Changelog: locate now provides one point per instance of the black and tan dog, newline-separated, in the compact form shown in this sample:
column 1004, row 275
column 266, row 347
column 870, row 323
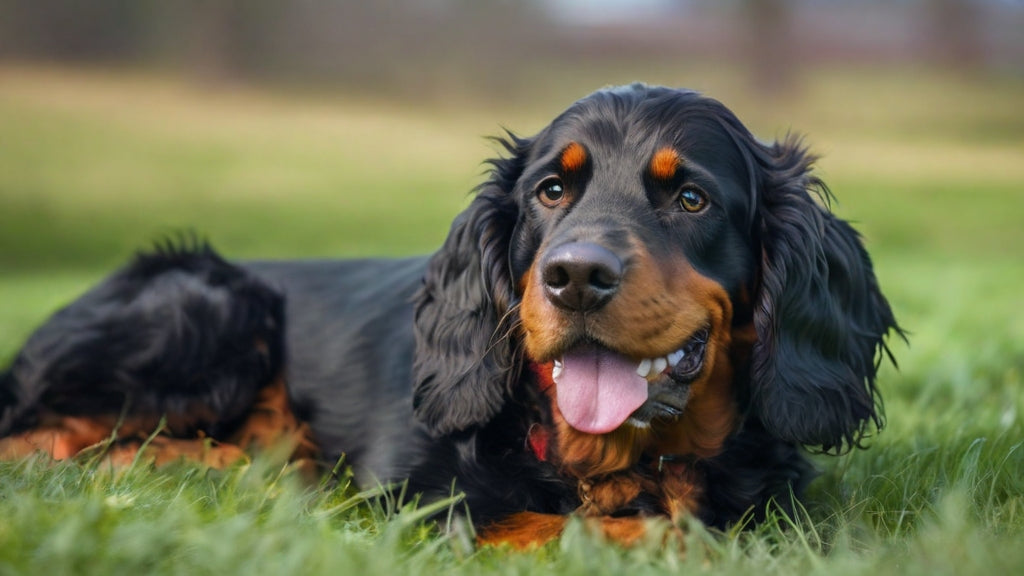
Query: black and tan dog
column 644, row 311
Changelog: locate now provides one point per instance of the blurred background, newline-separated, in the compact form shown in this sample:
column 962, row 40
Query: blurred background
column 318, row 128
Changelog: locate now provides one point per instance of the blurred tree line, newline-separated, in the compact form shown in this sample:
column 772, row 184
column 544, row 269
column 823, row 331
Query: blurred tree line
column 374, row 42
column 482, row 43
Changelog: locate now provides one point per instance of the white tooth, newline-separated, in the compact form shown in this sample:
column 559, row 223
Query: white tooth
column 659, row 366
column 644, row 367
column 675, row 357
column 556, row 371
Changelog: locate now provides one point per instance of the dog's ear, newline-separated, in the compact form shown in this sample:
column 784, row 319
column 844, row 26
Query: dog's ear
column 463, row 365
column 821, row 319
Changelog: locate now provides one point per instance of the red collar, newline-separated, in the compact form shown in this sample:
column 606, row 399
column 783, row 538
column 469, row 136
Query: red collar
column 537, row 438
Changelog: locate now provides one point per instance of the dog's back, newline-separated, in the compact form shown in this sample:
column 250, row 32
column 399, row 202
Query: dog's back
column 349, row 349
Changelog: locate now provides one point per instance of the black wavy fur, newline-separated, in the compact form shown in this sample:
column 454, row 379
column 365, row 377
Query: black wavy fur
column 414, row 369
column 174, row 331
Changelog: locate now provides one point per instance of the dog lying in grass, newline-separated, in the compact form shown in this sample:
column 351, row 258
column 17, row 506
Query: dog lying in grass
column 644, row 311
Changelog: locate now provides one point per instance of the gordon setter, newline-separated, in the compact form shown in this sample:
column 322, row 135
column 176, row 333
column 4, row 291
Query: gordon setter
column 644, row 311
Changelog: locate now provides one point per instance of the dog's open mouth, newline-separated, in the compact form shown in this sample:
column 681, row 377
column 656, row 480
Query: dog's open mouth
column 598, row 389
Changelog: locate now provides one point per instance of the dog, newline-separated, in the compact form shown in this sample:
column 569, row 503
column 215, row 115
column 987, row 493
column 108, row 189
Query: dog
column 643, row 312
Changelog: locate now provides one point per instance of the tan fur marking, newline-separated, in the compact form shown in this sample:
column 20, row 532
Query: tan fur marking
column 610, row 494
column 269, row 426
column 163, row 450
column 540, row 319
column 523, row 530
column 680, row 491
column 664, row 164
column 59, row 436
column 272, row 425
column 626, row 531
column 574, row 157
column 527, row 530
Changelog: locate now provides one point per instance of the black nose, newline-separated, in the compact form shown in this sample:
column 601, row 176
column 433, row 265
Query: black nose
column 581, row 276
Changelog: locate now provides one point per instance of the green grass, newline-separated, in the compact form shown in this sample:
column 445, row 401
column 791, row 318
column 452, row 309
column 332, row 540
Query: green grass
column 94, row 165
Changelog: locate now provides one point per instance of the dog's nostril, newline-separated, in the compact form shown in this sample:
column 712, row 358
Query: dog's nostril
column 556, row 277
column 581, row 275
column 605, row 278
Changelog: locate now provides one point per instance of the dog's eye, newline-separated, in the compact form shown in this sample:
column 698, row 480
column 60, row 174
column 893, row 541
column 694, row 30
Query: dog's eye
column 551, row 192
column 692, row 199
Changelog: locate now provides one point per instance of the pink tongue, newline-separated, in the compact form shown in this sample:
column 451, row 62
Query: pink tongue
column 598, row 390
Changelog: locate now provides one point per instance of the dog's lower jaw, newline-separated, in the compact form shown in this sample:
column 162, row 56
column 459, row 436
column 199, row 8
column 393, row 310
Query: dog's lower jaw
column 711, row 414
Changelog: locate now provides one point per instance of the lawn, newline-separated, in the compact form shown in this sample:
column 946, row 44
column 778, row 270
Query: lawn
column 95, row 164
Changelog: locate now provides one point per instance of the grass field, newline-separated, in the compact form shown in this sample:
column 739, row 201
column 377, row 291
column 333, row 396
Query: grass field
column 96, row 164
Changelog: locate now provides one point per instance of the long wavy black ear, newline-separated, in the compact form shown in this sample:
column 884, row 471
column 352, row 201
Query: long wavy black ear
column 821, row 319
column 463, row 363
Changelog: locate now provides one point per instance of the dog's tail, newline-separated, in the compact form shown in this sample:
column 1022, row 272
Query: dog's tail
column 177, row 331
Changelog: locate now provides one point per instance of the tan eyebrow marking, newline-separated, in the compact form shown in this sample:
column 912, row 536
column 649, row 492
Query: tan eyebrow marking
column 664, row 164
column 573, row 157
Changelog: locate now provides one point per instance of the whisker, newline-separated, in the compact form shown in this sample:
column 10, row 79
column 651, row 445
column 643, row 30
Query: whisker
column 506, row 326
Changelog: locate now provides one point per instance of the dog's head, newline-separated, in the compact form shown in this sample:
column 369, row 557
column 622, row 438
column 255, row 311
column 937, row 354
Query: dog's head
column 661, row 263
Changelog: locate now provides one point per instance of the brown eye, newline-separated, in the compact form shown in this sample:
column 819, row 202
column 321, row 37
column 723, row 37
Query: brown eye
column 551, row 192
column 692, row 199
